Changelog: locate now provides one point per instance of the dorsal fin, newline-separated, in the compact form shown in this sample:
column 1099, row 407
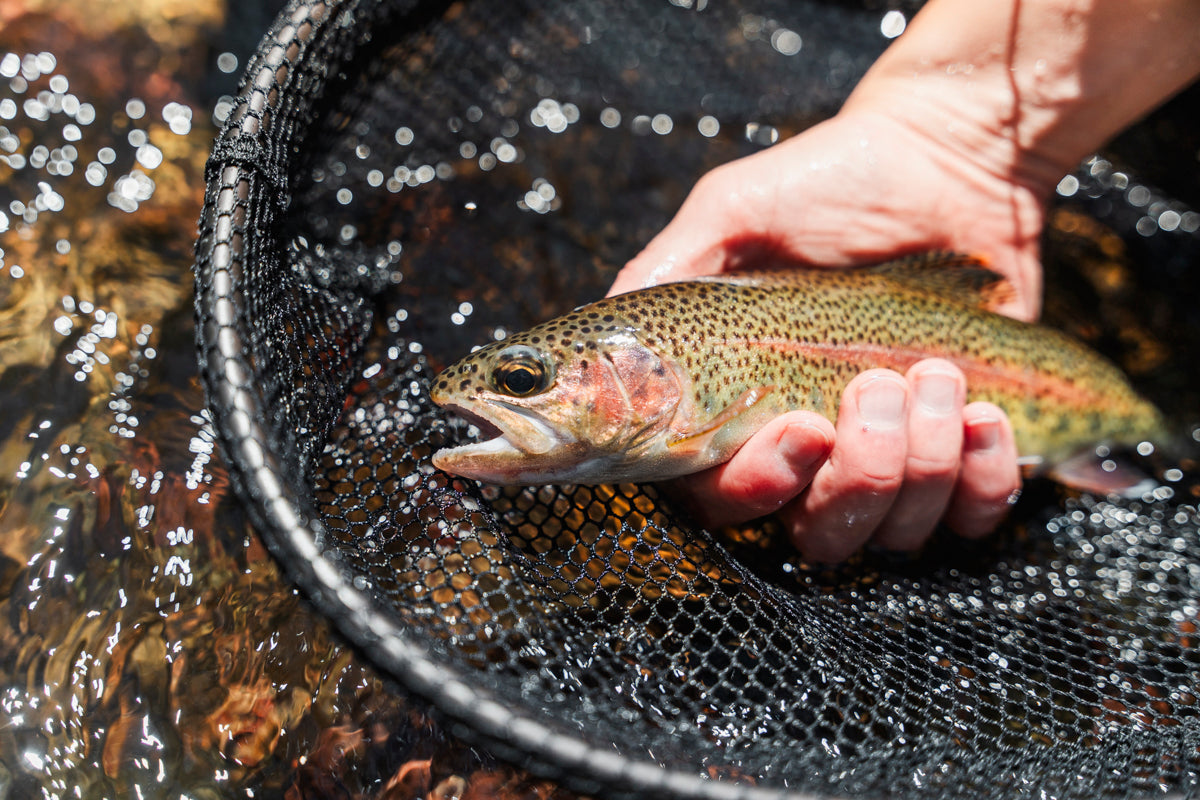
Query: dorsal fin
column 965, row 278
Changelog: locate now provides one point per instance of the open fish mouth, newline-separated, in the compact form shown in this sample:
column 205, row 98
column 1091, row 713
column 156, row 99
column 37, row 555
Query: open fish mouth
column 487, row 430
column 509, row 435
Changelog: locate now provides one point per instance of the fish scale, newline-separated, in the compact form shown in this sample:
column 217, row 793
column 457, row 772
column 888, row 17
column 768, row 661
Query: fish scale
column 747, row 347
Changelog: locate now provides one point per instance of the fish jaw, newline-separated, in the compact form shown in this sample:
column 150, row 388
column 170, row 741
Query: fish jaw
column 520, row 441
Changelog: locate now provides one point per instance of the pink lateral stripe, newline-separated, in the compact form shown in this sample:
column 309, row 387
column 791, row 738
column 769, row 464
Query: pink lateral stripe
column 1004, row 378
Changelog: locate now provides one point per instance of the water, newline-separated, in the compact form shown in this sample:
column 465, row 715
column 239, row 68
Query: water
column 148, row 645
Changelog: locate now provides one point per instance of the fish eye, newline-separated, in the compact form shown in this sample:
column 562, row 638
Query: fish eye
column 521, row 372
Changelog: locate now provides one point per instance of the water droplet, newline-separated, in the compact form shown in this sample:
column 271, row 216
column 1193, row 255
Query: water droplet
column 135, row 109
column 1068, row 186
column 1138, row 195
column 893, row 24
column 227, row 62
column 178, row 118
column 760, row 134
column 504, row 151
column 222, row 109
column 786, row 41
column 709, row 126
column 1169, row 220
column 149, row 156
column 36, row 109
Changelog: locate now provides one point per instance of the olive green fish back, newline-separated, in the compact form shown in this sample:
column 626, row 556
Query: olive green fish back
column 807, row 333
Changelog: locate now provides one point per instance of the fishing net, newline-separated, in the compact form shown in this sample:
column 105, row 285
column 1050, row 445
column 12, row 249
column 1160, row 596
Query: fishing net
column 399, row 181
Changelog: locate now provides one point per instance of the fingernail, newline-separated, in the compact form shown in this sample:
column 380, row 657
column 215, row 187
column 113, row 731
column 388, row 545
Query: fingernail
column 983, row 434
column 937, row 393
column 881, row 402
column 796, row 445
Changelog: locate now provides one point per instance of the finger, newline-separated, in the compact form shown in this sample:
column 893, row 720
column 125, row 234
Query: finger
column 989, row 477
column 769, row 470
column 853, row 491
column 935, row 442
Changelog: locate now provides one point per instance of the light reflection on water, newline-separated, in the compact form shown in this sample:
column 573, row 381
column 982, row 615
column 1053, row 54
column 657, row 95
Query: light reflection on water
column 147, row 642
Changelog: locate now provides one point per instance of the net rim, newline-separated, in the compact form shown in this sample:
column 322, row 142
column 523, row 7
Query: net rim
column 288, row 522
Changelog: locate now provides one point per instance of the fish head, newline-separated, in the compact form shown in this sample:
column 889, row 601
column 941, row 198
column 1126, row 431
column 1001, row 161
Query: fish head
column 557, row 405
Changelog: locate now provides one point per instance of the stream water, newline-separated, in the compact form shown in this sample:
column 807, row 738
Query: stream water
column 148, row 644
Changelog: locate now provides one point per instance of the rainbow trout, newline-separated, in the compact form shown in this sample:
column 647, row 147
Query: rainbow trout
column 672, row 379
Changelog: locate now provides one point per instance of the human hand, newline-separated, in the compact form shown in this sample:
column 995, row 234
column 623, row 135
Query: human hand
column 861, row 188
column 952, row 141
column 906, row 451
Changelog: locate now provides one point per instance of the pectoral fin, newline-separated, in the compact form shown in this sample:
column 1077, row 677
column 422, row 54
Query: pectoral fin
column 703, row 438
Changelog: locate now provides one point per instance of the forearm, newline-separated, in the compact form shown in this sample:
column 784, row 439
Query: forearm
column 1029, row 87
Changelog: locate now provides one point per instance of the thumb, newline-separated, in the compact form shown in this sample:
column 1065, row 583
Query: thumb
column 695, row 242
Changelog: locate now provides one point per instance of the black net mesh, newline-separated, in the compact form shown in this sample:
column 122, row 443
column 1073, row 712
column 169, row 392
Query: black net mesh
column 400, row 181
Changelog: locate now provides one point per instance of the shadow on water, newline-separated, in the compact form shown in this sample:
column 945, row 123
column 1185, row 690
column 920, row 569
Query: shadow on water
column 147, row 641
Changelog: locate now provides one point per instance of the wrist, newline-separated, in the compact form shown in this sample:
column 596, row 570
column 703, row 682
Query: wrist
column 960, row 126
column 1025, row 89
